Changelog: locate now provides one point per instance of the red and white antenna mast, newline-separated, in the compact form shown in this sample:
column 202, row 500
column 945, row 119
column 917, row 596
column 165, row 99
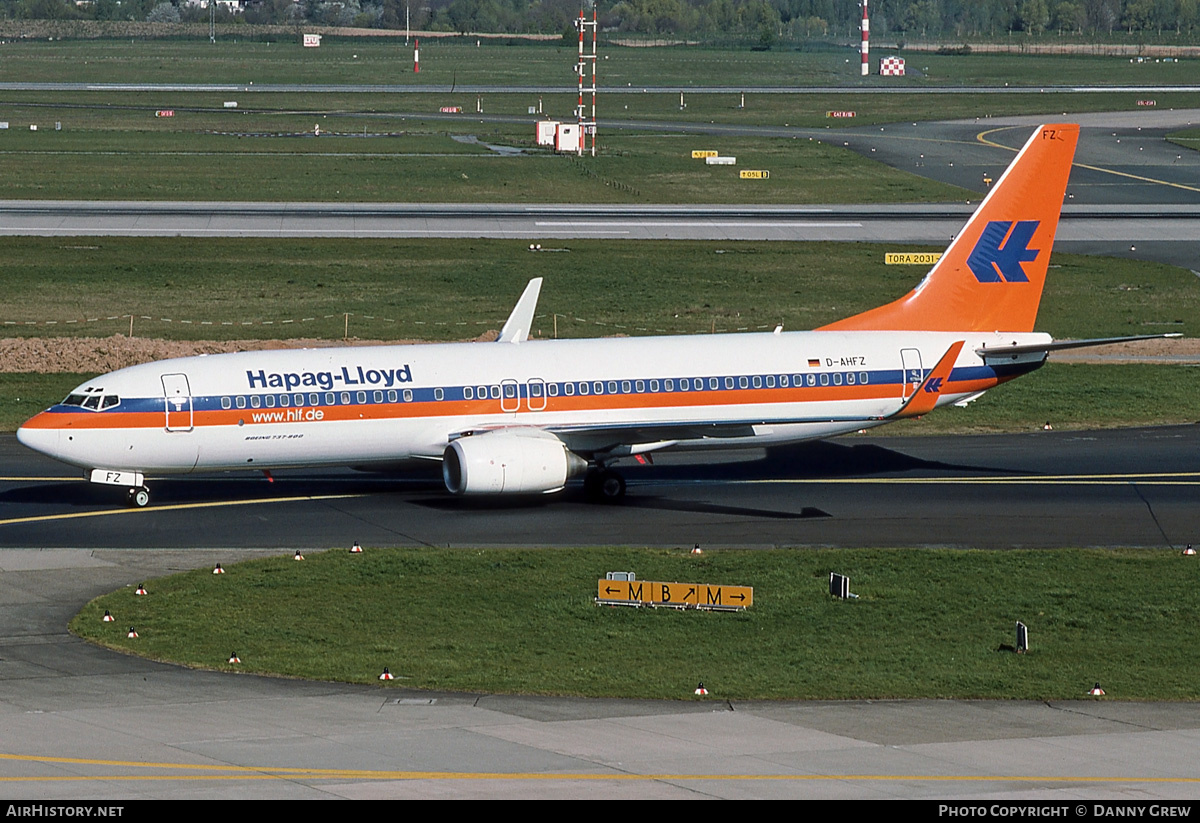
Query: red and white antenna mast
column 866, row 37
column 416, row 56
column 587, row 126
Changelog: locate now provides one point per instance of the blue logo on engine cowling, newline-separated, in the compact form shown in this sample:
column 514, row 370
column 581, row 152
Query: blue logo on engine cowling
column 992, row 263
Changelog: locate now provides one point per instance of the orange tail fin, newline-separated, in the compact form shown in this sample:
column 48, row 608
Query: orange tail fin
column 991, row 276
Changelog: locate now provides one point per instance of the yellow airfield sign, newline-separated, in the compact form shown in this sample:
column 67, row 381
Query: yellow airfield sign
column 755, row 174
column 700, row 154
column 908, row 258
column 674, row 595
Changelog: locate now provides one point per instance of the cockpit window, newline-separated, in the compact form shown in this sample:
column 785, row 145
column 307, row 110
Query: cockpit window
column 96, row 402
column 92, row 402
column 109, row 401
column 74, row 400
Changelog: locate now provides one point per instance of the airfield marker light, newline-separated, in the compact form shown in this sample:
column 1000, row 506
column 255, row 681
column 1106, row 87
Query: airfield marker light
column 416, row 56
column 700, row 689
column 1189, row 551
column 233, row 658
column 1096, row 691
column 356, row 549
column 108, row 618
column 141, row 589
column 298, row 556
column 218, row 570
column 696, row 549
column 132, row 632
column 386, row 674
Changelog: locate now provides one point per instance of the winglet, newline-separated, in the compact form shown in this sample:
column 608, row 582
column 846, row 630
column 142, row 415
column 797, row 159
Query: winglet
column 991, row 276
column 926, row 396
column 516, row 327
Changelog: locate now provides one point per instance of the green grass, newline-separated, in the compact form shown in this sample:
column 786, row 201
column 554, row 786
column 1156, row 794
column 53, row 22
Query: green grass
column 928, row 624
column 454, row 289
column 423, row 163
column 445, row 62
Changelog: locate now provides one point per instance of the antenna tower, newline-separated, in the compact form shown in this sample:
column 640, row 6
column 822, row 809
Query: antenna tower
column 587, row 126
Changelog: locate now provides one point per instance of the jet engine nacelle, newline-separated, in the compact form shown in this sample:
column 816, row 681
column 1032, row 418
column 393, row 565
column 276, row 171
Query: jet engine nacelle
column 508, row 462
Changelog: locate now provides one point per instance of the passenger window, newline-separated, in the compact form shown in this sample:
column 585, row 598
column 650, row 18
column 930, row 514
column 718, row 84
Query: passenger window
column 255, row 401
column 568, row 389
column 783, row 381
column 742, row 383
column 837, row 378
column 241, row 402
column 862, row 377
column 598, row 387
column 770, row 381
column 535, row 389
column 712, row 383
column 361, row 396
column 377, row 397
column 552, row 389
column 849, row 378
column 331, row 399
column 583, row 388
column 495, row 392
column 669, row 384
column 626, row 387
column 510, row 391
column 408, row 395
column 756, row 381
column 729, row 382
column 640, row 386
column 824, row 379
column 439, row 393
column 653, row 385
column 812, row 380
column 314, row 399
column 468, row 393
column 226, row 403
column 270, row 401
column 612, row 386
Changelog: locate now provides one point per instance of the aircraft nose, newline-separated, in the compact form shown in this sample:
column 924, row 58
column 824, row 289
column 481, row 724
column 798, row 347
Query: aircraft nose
column 44, row 440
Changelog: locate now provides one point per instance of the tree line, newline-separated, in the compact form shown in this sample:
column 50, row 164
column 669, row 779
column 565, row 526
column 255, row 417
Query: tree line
column 764, row 22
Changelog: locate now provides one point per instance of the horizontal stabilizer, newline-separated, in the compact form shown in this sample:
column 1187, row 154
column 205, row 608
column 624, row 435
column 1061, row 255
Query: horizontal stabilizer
column 1059, row 345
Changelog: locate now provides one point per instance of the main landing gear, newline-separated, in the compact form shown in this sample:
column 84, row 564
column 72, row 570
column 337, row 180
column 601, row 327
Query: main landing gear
column 138, row 498
column 604, row 486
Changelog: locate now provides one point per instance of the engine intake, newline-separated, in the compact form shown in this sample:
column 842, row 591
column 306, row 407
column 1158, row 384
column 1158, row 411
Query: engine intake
column 508, row 462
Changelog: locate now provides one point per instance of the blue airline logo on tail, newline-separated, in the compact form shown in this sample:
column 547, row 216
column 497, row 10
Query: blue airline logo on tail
column 992, row 263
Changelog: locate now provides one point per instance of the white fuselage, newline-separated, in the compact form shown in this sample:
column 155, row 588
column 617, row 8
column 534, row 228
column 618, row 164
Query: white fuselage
column 603, row 398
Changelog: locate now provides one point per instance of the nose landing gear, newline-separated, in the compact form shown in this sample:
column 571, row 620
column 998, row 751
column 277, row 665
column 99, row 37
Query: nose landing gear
column 138, row 498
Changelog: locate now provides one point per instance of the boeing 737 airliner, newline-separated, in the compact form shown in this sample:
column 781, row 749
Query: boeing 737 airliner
column 523, row 416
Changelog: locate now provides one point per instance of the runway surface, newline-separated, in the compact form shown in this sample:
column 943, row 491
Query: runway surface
column 1044, row 489
column 76, row 721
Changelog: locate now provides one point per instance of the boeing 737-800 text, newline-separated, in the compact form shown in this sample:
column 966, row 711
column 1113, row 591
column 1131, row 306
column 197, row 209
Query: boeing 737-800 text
column 523, row 416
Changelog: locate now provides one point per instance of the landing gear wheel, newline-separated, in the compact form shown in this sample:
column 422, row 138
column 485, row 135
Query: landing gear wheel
column 139, row 498
column 605, row 486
